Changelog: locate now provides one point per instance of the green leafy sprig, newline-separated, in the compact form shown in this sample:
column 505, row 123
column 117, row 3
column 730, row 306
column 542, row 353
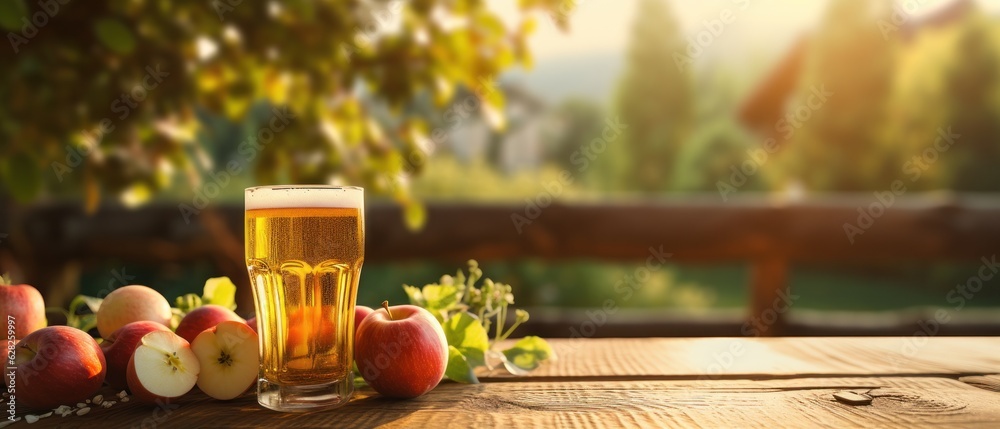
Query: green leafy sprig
column 82, row 312
column 468, row 313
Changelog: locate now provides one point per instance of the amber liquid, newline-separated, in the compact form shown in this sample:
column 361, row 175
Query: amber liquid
column 304, row 264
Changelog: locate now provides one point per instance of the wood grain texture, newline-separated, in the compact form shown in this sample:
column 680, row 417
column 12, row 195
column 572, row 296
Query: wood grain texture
column 689, row 358
column 773, row 382
column 806, row 402
column 988, row 382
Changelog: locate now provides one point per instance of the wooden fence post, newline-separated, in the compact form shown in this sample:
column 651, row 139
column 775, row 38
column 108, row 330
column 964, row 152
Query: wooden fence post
column 770, row 300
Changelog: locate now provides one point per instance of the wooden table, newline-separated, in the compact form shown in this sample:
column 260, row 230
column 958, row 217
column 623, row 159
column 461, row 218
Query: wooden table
column 707, row 382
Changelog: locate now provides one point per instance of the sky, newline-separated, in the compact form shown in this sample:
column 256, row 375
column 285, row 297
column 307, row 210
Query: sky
column 604, row 25
column 593, row 49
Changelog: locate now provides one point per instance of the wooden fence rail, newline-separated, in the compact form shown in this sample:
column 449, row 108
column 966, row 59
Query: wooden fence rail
column 769, row 234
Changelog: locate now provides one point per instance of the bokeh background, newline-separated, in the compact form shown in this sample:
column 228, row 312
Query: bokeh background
column 131, row 128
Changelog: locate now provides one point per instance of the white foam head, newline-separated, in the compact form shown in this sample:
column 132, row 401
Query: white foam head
column 280, row 197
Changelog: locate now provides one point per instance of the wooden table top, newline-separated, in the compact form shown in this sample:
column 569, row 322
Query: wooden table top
column 706, row 382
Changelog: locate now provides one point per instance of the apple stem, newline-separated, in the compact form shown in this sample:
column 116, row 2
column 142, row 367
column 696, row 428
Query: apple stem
column 385, row 305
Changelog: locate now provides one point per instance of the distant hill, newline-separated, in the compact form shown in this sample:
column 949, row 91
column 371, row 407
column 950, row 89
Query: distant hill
column 590, row 76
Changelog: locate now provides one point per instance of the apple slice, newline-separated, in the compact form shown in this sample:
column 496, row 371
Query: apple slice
column 163, row 367
column 119, row 348
column 229, row 359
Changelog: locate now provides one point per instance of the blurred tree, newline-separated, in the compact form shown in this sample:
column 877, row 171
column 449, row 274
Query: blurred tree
column 947, row 80
column 915, row 107
column 655, row 100
column 834, row 121
column 450, row 179
column 972, row 82
column 716, row 152
column 579, row 121
column 105, row 98
column 718, row 147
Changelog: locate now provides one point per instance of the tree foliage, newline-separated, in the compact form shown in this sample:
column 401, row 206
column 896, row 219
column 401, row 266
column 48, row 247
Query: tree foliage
column 106, row 97
column 974, row 107
column 580, row 122
column 833, row 146
column 655, row 99
column 946, row 82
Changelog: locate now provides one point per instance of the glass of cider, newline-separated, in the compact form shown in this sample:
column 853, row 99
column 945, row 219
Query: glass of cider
column 304, row 249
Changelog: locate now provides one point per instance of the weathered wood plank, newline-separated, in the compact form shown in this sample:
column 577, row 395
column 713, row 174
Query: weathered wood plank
column 897, row 402
column 768, row 280
column 988, row 382
column 687, row 358
column 699, row 229
column 696, row 229
column 661, row 382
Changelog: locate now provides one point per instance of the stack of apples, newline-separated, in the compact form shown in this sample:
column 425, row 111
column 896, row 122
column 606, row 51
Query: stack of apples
column 212, row 348
column 400, row 351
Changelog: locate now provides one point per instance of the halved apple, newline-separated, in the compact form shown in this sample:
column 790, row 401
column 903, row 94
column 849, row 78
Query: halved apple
column 229, row 359
column 163, row 367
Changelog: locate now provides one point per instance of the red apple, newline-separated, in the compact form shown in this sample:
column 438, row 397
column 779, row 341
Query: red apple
column 24, row 306
column 57, row 365
column 252, row 323
column 360, row 313
column 129, row 304
column 120, row 345
column 401, row 351
column 163, row 367
column 203, row 318
column 229, row 360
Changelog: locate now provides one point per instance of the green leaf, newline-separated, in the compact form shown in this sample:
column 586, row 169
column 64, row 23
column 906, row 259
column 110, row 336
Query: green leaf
column 528, row 353
column 22, row 177
column 83, row 312
column 187, row 302
column 115, row 35
column 459, row 368
column 440, row 297
column 359, row 382
column 220, row 291
column 464, row 331
column 92, row 303
column 415, row 295
column 415, row 215
column 176, row 315
column 11, row 12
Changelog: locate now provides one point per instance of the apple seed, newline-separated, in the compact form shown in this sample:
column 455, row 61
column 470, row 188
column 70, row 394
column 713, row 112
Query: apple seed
column 225, row 358
column 173, row 361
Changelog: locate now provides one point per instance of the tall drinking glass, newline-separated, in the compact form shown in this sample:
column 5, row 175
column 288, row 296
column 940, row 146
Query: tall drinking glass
column 304, row 249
